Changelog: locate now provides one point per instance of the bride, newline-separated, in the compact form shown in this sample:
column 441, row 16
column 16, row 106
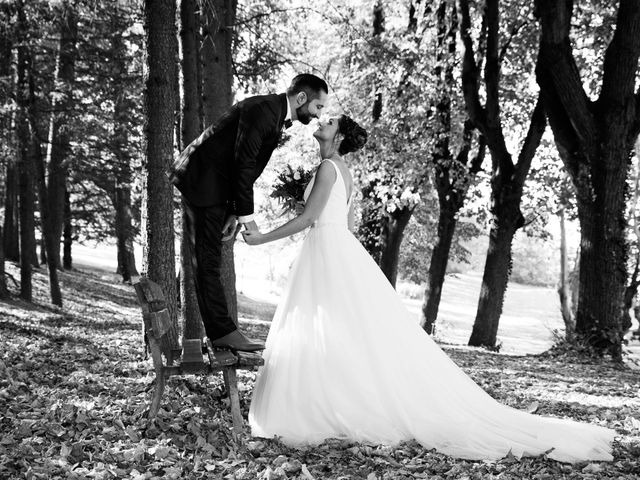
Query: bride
column 345, row 359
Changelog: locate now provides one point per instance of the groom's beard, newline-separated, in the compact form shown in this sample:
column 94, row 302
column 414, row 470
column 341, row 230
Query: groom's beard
column 303, row 114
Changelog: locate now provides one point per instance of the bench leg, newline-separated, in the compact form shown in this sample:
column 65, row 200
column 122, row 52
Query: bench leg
column 231, row 383
column 156, row 355
column 157, row 395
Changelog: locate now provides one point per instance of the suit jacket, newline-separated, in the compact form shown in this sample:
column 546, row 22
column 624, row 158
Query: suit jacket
column 221, row 165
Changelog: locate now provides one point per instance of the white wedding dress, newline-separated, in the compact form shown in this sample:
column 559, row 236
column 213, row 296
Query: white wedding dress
column 345, row 359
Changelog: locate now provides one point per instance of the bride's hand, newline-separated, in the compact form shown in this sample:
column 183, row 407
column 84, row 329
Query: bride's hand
column 253, row 237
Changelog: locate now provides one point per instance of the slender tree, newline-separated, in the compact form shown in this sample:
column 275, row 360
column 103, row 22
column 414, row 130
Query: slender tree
column 191, row 128
column 378, row 30
column 11, row 224
column 51, row 208
column 631, row 290
column 159, row 115
column 4, row 293
column 49, row 241
column 217, row 90
column 120, row 192
column 563, row 287
column 392, row 224
column 595, row 140
column 507, row 177
column 58, row 152
column 453, row 173
column 67, row 234
column 10, row 237
column 25, row 161
column 384, row 215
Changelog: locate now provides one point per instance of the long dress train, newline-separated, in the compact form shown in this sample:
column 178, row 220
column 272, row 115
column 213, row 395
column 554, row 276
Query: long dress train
column 345, row 359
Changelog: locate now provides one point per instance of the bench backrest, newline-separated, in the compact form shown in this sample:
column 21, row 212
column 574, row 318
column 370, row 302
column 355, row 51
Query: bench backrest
column 155, row 314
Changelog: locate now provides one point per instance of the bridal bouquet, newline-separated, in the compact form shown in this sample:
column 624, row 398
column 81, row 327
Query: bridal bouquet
column 289, row 187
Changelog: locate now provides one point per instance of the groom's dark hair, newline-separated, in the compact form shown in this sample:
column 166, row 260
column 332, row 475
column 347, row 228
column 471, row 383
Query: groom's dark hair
column 309, row 84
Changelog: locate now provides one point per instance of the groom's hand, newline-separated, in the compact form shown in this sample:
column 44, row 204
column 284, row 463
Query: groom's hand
column 230, row 228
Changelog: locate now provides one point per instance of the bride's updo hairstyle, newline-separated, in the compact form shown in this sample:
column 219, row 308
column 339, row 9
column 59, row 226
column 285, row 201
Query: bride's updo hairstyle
column 354, row 136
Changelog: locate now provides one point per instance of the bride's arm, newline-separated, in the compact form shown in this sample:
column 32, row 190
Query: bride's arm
column 351, row 217
column 325, row 178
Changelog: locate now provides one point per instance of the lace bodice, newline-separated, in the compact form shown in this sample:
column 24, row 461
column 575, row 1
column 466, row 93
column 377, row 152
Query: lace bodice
column 336, row 210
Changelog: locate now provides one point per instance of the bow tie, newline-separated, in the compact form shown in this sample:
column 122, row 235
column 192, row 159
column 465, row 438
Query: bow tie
column 287, row 123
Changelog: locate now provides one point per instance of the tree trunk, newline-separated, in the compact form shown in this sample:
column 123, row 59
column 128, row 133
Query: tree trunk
column 453, row 174
column 191, row 127
column 59, row 133
column 121, row 195
column 632, row 286
column 378, row 29
column 27, row 223
column 595, row 140
column 217, row 73
column 26, row 173
column 11, row 228
column 507, row 177
column 49, row 241
column 370, row 227
column 159, row 110
column 10, row 238
column 42, row 243
column 4, row 293
column 563, row 289
column 217, row 69
column 393, row 227
column 602, row 270
column 574, row 284
column 67, row 261
column 629, row 296
column 124, row 233
column 494, row 286
column 438, row 267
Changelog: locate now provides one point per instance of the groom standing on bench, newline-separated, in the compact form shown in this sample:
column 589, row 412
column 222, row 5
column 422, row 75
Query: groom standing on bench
column 215, row 175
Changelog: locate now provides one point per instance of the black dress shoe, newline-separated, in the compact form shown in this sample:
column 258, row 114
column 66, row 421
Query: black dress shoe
column 237, row 341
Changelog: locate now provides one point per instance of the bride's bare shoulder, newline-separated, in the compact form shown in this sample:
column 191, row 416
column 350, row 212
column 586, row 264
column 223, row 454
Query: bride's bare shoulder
column 325, row 172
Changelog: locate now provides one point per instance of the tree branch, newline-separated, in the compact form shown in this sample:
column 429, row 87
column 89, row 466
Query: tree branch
column 621, row 57
column 470, row 71
column 532, row 140
column 482, row 43
column 516, row 27
column 492, row 65
column 467, row 138
column 476, row 163
column 273, row 11
column 560, row 69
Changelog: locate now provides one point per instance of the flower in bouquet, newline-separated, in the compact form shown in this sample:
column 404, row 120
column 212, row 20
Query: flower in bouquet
column 289, row 187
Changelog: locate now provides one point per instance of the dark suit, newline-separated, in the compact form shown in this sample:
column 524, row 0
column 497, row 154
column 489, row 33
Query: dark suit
column 215, row 175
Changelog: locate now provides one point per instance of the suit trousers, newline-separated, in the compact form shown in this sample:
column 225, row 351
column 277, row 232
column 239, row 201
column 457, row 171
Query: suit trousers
column 204, row 230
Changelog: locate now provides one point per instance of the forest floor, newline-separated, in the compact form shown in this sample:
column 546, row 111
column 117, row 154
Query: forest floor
column 75, row 387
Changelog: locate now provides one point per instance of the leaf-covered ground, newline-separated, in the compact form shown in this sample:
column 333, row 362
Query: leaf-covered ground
column 75, row 386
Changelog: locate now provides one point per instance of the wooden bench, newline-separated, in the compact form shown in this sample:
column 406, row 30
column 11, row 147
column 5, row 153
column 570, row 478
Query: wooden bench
column 191, row 360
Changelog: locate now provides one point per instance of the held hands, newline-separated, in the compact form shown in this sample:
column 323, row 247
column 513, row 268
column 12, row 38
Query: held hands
column 253, row 237
column 230, row 228
column 299, row 208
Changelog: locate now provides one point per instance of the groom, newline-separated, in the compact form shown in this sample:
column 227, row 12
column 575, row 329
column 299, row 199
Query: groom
column 215, row 175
